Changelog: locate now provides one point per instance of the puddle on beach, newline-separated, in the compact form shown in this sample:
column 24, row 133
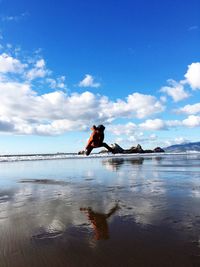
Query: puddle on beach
column 132, row 211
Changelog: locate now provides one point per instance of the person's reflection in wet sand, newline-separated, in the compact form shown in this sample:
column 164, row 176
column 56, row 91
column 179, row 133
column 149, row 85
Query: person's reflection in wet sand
column 99, row 221
column 116, row 163
column 113, row 164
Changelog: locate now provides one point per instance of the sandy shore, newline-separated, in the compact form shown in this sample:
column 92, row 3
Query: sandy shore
column 140, row 211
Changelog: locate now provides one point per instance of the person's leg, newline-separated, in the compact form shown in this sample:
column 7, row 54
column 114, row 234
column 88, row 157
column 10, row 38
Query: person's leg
column 88, row 150
column 108, row 147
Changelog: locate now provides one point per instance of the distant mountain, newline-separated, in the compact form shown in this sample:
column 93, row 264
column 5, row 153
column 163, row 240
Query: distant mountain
column 183, row 147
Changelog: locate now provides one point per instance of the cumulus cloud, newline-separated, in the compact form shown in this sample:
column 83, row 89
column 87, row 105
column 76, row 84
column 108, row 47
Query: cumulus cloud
column 57, row 112
column 156, row 124
column 192, row 121
column 38, row 71
column 40, row 63
column 189, row 109
column 88, row 81
column 57, row 83
column 173, row 123
column 136, row 105
column 119, row 129
column 175, row 90
column 144, row 105
column 6, row 126
column 193, row 75
column 132, row 130
column 8, row 64
column 137, row 137
column 26, row 111
column 58, row 127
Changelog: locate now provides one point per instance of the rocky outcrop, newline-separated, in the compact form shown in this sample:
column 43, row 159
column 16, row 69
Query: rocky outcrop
column 82, row 152
column 138, row 149
column 158, row 150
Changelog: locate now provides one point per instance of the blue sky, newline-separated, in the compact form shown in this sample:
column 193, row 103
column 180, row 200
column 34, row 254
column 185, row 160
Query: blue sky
column 133, row 66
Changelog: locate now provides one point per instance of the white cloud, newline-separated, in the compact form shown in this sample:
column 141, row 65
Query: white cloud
column 178, row 140
column 173, row 123
column 58, row 127
column 57, row 83
column 6, row 126
column 189, row 109
column 192, row 121
column 136, row 105
column 130, row 133
column 137, row 137
column 10, row 64
column 57, row 112
column 119, row 140
column 175, row 90
column 14, row 18
column 144, row 105
column 127, row 140
column 132, row 130
column 9, row 18
column 156, row 124
column 9, row 46
column 38, row 71
column 126, row 129
column 153, row 137
column 52, row 83
column 88, row 81
column 24, row 111
column 163, row 99
column 193, row 75
column 40, row 63
column 51, row 113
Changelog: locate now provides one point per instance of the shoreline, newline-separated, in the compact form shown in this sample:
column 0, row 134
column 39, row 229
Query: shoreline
column 62, row 156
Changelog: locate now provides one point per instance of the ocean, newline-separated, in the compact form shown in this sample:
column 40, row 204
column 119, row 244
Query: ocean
column 121, row 210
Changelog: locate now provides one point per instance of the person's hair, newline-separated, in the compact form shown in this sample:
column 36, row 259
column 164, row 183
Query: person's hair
column 101, row 127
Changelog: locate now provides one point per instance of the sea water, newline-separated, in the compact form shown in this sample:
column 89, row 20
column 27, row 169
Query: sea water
column 134, row 210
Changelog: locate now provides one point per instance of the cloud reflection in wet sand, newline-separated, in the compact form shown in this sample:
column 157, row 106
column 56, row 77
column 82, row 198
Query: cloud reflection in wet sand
column 158, row 222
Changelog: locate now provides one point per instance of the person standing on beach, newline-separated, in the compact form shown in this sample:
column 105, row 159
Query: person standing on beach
column 96, row 140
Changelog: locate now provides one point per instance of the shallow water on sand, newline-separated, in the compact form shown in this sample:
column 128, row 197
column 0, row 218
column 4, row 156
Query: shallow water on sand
column 133, row 211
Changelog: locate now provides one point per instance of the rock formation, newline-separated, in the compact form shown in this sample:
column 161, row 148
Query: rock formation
column 138, row 149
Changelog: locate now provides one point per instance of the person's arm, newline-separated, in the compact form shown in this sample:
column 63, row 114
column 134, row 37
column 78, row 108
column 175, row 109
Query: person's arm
column 91, row 139
column 112, row 211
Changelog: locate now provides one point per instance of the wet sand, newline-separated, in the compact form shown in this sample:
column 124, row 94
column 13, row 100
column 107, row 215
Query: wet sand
column 133, row 211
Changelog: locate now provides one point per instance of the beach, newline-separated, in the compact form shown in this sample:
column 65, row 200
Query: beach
column 134, row 210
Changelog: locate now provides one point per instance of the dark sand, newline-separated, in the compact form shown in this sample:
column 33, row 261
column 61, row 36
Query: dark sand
column 121, row 212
